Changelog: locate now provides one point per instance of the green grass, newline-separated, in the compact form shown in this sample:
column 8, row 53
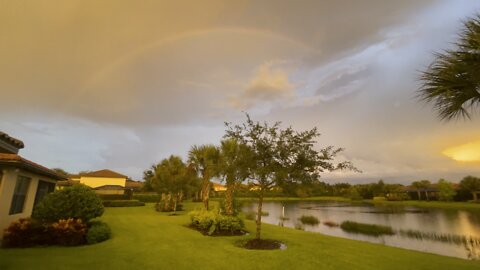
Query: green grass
column 145, row 239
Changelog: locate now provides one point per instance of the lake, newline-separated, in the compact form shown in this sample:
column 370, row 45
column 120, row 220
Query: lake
column 446, row 232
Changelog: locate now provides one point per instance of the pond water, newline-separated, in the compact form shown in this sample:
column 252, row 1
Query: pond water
column 446, row 232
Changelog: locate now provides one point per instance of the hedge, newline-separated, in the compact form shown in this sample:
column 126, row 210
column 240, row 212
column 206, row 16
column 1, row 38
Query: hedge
column 123, row 203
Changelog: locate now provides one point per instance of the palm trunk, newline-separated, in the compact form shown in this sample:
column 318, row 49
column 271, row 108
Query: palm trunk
column 426, row 195
column 419, row 197
column 474, row 193
column 259, row 214
column 167, row 201
column 206, row 193
column 229, row 200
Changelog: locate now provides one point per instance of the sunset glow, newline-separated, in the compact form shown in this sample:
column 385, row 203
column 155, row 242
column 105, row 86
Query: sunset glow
column 468, row 152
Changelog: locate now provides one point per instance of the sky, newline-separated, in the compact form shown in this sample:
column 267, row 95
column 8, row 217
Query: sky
column 89, row 85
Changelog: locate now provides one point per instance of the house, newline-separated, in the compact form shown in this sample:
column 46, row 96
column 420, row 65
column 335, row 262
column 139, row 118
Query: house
column 23, row 183
column 102, row 181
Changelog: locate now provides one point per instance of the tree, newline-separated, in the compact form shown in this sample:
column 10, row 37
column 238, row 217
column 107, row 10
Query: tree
column 171, row 178
column 204, row 159
column 148, row 176
column 422, row 185
column 61, row 171
column 472, row 184
column 279, row 156
column 452, row 81
column 232, row 169
column 446, row 191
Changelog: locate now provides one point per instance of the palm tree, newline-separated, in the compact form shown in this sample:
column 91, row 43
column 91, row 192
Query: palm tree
column 452, row 82
column 231, row 169
column 422, row 185
column 204, row 159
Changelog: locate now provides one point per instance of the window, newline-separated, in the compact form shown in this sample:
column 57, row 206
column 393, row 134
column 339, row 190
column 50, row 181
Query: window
column 19, row 195
column 42, row 190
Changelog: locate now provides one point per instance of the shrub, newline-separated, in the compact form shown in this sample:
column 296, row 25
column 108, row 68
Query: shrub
column 111, row 197
column 368, row 229
column 98, row 232
column 69, row 232
column 25, row 233
column 147, row 197
column 78, row 202
column 330, row 224
column 123, row 203
column 309, row 220
column 213, row 223
column 29, row 233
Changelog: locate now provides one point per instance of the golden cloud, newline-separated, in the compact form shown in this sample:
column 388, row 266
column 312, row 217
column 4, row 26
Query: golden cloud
column 468, row 152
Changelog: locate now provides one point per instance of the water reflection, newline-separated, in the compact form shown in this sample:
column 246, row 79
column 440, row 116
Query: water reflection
column 445, row 232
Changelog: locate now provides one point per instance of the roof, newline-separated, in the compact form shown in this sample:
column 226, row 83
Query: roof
column 18, row 161
column 109, row 187
column 104, row 173
column 15, row 142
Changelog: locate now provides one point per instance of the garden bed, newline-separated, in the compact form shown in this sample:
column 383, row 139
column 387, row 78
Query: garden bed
column 261, row 244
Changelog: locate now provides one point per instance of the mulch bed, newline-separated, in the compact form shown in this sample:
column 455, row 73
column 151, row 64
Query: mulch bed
column 263, row 244
column 218, row 233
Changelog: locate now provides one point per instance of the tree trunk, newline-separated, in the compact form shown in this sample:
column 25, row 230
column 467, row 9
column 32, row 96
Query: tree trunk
column 175, row 198
column 259, row 214
column 229, row 200
column 419, row 197
column 426, row 195
column 167, row 201
column 474, row 193
column 180, row 196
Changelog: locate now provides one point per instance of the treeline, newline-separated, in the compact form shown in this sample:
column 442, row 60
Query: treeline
column 467, row 189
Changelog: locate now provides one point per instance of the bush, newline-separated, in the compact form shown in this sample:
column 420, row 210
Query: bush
column 98, row 232
column 29, row 233
column 123, row 203
column 69, row 232
column 368, row 229
column 26, row 233
column 147, row 197
column 309, row 220
column 78, row 202
column 213, row 223
column 112, row 197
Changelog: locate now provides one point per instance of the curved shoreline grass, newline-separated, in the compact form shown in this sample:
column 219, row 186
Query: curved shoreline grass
column 145, row 239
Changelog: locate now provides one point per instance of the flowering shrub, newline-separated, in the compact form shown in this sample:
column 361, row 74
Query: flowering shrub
column 69, row 232
column 25, row 233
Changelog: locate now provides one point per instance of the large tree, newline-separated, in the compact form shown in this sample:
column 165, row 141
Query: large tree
column 204, row 159
column 172, row 179
column 472, row 185
column 452, row 81
column 281, row 155
column 446, row 190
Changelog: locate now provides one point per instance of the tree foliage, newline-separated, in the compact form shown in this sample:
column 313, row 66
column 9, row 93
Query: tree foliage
column 452, row 81
column 472, row 184
column 280, row 156
column 446, row 191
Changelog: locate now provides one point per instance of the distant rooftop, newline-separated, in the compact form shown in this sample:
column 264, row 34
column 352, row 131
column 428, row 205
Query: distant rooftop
column 104, row 173
column 18, row 161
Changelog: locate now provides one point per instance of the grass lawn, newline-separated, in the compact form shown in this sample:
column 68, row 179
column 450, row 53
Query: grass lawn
column 145, row 239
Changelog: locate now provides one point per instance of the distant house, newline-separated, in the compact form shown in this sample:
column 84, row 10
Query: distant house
column 102, row 182
column 23, row 183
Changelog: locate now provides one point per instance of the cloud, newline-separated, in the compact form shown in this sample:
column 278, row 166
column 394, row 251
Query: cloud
column 468, row 152
column 268, row 84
